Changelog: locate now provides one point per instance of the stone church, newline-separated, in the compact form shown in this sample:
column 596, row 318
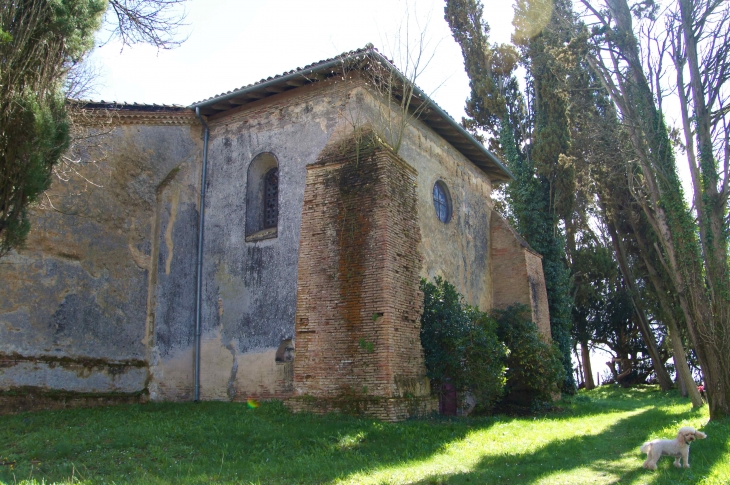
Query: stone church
column 266, row 243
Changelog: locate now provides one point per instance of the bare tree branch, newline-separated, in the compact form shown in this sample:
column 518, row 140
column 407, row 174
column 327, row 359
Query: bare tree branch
column 155, row 22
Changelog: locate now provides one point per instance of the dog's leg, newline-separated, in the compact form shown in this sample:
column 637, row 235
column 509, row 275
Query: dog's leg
column 685, row 455
column 651, row 459
column 677, row 463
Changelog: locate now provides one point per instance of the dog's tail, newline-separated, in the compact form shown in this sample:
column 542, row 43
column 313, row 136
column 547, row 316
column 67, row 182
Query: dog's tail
column 645, row 447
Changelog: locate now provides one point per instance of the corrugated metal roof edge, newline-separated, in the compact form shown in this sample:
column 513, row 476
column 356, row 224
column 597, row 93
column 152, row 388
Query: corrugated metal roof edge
column 333, row 62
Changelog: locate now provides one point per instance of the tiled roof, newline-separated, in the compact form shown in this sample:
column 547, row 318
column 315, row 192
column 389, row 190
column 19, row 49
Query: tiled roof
column 432, row 114
column 124, row 106
column 299, row 70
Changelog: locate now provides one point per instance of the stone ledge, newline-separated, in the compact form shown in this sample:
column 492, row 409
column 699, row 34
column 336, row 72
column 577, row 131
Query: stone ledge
column 263, row 234
column 26, row 399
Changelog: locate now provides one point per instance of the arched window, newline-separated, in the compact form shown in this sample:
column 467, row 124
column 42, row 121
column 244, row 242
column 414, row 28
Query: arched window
column 442, row 201
column 262, row 198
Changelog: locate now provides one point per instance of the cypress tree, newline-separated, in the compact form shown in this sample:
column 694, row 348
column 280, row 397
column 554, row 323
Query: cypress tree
column 543, row 188
column 39, row 40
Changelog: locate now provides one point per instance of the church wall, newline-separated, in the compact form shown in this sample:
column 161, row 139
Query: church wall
column 76, row 311
column 117, row 265
column 517, row 274
column 458, row 251
column 250, row 285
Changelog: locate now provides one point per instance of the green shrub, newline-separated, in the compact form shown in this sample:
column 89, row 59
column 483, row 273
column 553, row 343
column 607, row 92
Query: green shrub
column 498, row 357
column 460, row 344
column 533, row 366
column 484, row 373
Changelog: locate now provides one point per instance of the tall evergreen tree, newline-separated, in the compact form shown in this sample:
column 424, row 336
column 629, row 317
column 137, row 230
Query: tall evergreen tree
column 599, row 157
column 39, row 39
column 542, row 189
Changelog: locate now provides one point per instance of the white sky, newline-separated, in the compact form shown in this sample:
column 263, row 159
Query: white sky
column 233, row 43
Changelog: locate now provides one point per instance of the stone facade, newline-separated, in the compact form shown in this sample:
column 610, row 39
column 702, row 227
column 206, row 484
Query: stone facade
column 322, row 308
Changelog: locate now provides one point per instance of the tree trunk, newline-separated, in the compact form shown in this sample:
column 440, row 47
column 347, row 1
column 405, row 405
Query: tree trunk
column 680, row 382
column 587, row 371
column 665, row 381
column 667, row 307
column 712, row 202
column 707, row 313
column 680, row 362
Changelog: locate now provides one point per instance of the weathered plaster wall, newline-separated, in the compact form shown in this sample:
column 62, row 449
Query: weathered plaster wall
column 172, row 286
column 459, row 250
column 250, row 287
column 75, row 310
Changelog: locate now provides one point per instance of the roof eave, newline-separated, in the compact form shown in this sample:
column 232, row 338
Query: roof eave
column 502, row 174
column 262, row 86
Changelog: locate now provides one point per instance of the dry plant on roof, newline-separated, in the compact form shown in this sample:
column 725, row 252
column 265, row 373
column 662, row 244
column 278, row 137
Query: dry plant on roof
column 402, row 101
column 399, row 101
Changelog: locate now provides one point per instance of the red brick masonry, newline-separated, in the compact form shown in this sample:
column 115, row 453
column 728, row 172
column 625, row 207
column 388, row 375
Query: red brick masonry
column 358, row 302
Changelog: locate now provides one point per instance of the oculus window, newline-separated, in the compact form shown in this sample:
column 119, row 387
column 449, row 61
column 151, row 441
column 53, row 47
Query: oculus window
column 442, row 201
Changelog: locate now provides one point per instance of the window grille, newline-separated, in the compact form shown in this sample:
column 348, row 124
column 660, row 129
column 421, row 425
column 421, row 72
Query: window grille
column 442, row 202
column 271, row 198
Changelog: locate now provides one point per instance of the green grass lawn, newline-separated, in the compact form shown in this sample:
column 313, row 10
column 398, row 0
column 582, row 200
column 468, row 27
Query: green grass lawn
column 593, row 438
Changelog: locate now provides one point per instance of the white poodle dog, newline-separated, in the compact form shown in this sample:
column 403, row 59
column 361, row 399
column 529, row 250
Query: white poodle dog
column 678, row 448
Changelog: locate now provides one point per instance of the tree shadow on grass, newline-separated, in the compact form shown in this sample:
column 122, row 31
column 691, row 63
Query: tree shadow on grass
column 212, row 442
column 611, row 456
column 612, row 398
column 230, row 443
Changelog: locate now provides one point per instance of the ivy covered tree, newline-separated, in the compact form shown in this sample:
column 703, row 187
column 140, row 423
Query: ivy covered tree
column 530, row 133
column 692, row 251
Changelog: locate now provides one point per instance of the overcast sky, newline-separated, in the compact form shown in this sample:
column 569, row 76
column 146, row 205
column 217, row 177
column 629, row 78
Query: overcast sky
column 233, row 43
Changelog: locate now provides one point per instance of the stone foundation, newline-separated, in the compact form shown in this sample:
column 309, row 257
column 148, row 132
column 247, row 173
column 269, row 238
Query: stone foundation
column 385, row 409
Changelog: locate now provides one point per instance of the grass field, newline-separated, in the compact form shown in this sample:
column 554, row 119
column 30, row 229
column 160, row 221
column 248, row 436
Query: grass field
column 593, row 438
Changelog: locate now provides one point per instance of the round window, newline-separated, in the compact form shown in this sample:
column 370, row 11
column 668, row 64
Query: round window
column 442, row 201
